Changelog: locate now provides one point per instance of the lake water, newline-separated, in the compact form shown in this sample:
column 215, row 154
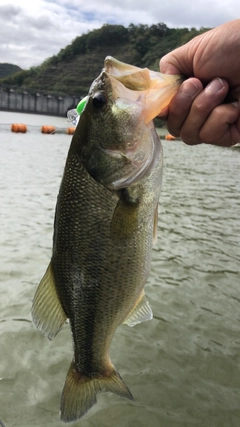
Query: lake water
column 183, row 367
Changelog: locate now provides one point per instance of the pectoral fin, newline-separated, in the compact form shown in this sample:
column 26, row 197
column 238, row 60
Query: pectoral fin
column 140, row 313
column 47, row 312
column 124, row 221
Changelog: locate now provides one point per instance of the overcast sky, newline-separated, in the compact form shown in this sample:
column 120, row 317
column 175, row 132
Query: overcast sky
column 33, row 30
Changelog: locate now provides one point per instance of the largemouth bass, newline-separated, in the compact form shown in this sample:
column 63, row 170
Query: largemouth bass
column 105, row 222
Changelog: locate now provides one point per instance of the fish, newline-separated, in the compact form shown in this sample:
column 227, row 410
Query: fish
column 105, row 224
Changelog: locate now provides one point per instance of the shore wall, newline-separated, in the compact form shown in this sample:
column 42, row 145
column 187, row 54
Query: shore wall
column 36, row 102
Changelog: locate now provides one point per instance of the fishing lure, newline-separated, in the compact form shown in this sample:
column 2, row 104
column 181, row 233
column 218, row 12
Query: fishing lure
column 74, row 114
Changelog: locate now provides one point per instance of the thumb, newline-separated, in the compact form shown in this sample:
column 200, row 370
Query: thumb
column 179, row 61
column 169, row 65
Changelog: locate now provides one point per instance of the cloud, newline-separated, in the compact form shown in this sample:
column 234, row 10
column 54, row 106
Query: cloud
column 31, row 31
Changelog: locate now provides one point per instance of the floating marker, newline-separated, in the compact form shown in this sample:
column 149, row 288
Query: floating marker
column 70, row 131
column 19, row 127
column 48, row 129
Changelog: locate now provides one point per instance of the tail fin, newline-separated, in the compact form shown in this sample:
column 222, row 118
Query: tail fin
column 79, row 392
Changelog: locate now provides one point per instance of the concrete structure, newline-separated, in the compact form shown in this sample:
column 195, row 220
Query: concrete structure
column 12, row 99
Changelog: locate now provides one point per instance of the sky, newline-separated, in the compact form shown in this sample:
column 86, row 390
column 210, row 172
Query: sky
column 33, row 30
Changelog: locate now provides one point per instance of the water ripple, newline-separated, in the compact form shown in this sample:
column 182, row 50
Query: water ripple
column 183, row 367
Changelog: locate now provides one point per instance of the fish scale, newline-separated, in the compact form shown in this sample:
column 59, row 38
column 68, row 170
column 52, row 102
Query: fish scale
column 105, row 221
column 111, row 270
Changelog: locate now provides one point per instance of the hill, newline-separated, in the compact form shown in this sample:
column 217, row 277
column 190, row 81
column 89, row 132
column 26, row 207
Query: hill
column 8, row 69
column 78, row 64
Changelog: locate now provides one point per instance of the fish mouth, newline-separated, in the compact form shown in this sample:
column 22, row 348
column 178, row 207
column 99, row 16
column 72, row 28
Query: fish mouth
column 154, row 89
column 146, row 93
column 124, row 137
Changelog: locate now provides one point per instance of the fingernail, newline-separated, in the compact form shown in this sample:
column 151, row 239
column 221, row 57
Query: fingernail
column 215, row 86
column 189, row 89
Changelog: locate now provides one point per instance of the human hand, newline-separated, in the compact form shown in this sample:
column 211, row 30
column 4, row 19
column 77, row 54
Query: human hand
column 196, row 113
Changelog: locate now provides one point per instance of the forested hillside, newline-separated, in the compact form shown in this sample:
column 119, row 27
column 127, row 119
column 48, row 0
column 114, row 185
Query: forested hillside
column 8, row 69
column 74, row 68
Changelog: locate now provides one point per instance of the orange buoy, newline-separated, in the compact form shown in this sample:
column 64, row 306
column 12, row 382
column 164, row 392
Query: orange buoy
column 170, row 137
column 48, row 129
column 19, row 127
column 70, row 131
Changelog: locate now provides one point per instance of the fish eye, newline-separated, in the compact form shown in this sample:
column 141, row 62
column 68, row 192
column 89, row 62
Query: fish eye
column 99, row 100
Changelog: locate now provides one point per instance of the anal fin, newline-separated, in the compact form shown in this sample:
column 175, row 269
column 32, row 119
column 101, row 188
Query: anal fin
column 140, row 313
column 47, row 312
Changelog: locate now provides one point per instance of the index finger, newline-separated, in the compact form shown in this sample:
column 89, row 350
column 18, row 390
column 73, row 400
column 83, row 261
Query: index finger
column 181, row 103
